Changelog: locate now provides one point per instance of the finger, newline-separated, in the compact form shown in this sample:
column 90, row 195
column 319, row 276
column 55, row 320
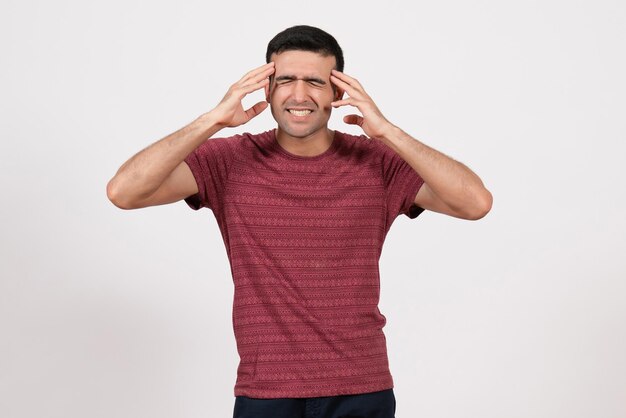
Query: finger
column 260, row 77
column 256, row 109
column 249, row 88
column 344, row 102
column 353, row 120
column 345, row 77
column 256, row 77
column 266, row 68
column 352, row 92
column 259, row 70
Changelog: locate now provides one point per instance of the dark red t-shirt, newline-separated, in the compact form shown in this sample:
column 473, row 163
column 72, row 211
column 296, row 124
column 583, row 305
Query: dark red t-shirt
column 304, row 236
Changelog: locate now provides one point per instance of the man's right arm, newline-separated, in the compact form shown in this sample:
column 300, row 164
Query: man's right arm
column 158, row 174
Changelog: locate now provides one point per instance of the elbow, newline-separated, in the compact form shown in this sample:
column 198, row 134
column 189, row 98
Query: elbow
column 482, row 206
column 116, row 197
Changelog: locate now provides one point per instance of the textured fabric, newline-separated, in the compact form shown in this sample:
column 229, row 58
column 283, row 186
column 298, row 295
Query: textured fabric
column 368, row 405
column 304, row 236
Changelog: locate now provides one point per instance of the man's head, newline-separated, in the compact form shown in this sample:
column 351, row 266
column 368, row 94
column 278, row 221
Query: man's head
column 306, row 38
column 300, row 90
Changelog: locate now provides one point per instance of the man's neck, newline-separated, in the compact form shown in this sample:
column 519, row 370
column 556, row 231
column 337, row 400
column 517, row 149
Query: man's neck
column 315, row 144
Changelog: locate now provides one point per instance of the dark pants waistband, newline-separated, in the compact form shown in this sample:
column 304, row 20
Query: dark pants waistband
column 366, row 405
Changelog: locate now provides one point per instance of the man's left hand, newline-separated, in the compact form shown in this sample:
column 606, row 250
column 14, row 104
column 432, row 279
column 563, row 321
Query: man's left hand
column 372, row 122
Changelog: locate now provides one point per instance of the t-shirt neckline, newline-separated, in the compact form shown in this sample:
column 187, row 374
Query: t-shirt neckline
column 330, row 150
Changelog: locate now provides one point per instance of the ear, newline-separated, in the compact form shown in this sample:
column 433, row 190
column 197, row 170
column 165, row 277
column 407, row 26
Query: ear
column 267, row 91
column 338, row 93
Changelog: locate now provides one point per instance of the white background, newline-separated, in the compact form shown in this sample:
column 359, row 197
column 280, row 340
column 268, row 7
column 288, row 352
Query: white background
column 111, row 313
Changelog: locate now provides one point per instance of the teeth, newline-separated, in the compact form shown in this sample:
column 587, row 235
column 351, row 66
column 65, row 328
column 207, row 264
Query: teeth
column 299, row 112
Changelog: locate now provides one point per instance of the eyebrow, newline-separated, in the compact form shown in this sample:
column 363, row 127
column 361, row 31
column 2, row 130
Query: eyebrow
column 293, row 77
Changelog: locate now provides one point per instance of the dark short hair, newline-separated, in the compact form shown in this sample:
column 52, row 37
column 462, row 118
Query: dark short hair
column 305, row 38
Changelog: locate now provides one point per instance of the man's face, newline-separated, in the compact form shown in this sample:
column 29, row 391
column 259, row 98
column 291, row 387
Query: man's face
column 300, row 92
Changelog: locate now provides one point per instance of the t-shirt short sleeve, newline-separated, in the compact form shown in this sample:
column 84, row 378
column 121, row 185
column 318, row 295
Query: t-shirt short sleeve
column 209, row 164
column 402, row 183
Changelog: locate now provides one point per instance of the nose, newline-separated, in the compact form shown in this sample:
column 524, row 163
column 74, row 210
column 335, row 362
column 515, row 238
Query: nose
column 300, row 91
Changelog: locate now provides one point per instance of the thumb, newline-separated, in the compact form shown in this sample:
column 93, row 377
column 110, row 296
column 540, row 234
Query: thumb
column 353, row 120
column 256, row 109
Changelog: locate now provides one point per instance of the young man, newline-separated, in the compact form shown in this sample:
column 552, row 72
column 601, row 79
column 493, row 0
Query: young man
column 303, row 212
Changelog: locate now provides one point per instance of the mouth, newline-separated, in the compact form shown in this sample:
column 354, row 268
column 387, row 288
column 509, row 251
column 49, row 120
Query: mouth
column 300, row 113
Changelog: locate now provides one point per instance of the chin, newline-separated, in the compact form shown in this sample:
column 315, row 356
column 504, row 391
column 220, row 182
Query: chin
column 299, row 132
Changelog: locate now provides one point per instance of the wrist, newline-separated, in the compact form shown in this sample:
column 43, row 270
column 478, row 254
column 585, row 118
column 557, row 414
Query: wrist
column 390, row 133
column 208, row 122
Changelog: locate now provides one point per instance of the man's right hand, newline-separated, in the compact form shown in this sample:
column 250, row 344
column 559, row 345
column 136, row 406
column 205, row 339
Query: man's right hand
column 158, row 174
column 229, row 112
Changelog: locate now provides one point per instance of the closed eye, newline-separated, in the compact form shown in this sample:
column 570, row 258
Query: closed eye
column 282, row 80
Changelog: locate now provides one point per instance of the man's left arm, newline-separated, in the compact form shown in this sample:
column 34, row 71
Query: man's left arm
column 449, row 187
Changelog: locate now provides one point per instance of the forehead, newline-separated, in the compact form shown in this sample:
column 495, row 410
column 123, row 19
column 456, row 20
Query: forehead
column 301, row 63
